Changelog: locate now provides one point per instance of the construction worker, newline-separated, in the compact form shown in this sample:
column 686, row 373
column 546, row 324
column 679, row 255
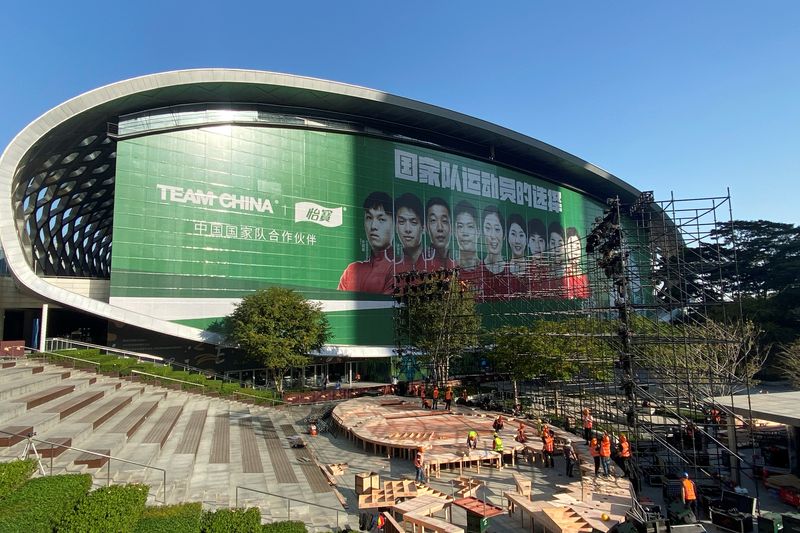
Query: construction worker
column 587, row 424
column 419, row 462
column 448, row 398
column 689, row 494
column 548, row 447
column 436, row 397
column 521, row 437
column 569, row 457
column 497, row 446
column 472, row 439
column 594, row 451
column 625, row 455
column 605, row 454
column 498, row 423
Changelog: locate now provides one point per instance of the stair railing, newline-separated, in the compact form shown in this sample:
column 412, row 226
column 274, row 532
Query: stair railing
column 289, row 502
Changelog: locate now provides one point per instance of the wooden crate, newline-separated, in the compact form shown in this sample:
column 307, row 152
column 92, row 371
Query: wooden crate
column 367, row 482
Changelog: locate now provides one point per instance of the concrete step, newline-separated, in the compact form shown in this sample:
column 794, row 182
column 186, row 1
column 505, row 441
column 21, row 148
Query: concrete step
column 28, row 385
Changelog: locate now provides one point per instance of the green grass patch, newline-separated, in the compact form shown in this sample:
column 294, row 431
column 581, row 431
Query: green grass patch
column 232, row 521
column 284, row 527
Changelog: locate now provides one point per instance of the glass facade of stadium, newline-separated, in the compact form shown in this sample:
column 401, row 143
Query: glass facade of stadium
column 149, row 221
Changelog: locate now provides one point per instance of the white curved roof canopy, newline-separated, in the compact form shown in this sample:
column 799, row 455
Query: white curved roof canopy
column 27, row 193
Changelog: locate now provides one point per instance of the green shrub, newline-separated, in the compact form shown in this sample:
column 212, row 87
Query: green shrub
column 14, row 474
column 115, row 508
column 284, row 527
column 181, row 518
column 42, row 503
column 232, row 520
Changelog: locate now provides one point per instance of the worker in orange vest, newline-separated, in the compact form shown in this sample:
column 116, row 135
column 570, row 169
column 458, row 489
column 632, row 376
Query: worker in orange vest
column 521, row 434
column 448, row 398
column 436, row 397
column 548, row 448
column 498, row 423
column 625, row 455
column 594, row 451
column 587, row 424
column 605, row 454
column 689, row 494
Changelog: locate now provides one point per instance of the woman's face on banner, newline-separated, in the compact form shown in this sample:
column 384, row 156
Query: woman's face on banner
column 493, row 233
column 573, row 249
column 556, row 246
column 516, row 240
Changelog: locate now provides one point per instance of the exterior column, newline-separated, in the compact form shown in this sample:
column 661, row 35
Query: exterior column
column 43, row 328
column 735, row 467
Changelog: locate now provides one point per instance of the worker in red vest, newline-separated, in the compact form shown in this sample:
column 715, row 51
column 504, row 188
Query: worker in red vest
column 594, row 451
column 521, row 437
column 605, row 454
column 436, row 397
column 689, row 494
column 625, row 455
column 587, row 424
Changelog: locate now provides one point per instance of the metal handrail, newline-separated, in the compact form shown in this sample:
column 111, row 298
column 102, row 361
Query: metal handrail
column 110, row 351
column 109, row 457
column 139, row 372
column 92, row 363
column 288, row 502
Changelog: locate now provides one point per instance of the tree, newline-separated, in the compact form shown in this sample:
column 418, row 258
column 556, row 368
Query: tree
column 439, row 320
column 278, row 328
column 553, row 350
column 789, row 362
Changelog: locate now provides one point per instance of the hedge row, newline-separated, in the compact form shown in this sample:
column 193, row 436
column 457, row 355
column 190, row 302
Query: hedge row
column 114, row 508
column 181, row 518
column 41, row 504
column 123, row 367
column 14, row 474
column 232, row 520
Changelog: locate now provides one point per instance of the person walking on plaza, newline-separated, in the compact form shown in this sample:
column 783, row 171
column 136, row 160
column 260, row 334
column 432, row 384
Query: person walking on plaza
column 594, row 451
column 625, row 455
column 419, row 462
column 548, row 447
column 435, row 396
column 569, row 457
column 587, row 424
column 448, row 398
column 521, row 437
column 605, row 454
column 689, row 494
column 472, row 439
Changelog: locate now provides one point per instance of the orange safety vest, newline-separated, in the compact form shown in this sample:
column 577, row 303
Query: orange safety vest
column 625, row 449
column 605, row 447
column 688, row 490
column 448, row 395
column 381, row 521
column 418, row 460
column 587, row 422
column 548, row 444
column 593, row 451
column 435, row 394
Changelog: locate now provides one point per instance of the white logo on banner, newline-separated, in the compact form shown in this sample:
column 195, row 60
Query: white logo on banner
column 311, row 212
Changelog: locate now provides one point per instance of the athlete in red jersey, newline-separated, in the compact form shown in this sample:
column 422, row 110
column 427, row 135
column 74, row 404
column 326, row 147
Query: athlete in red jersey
column 376, row 273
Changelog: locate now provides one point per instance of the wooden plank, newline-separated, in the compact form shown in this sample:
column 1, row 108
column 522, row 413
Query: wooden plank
column 221, row 440
column 100, row 415
column 163, row 427
column 431, row 523
column 91, row 460
column 42, row 397
column 77, row 403
column 280, row 460
column 11, row 435
column 190, row 439
column 251, row 457
column 135, row 419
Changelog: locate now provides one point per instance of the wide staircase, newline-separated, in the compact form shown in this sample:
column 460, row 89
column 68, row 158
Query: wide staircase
column 187, row 447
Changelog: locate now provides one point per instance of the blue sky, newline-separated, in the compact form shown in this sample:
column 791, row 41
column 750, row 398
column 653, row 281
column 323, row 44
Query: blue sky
column 682, row 96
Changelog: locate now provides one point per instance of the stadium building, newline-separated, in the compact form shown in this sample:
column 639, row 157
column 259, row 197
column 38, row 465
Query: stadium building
column 137, row 214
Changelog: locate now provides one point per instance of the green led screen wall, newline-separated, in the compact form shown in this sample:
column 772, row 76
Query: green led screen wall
column 204, row 216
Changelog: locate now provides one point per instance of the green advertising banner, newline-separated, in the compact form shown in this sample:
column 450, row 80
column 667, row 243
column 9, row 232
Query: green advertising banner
column 204, row 216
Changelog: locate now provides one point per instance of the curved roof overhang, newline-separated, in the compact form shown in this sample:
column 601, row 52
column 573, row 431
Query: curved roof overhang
column 58, row 130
